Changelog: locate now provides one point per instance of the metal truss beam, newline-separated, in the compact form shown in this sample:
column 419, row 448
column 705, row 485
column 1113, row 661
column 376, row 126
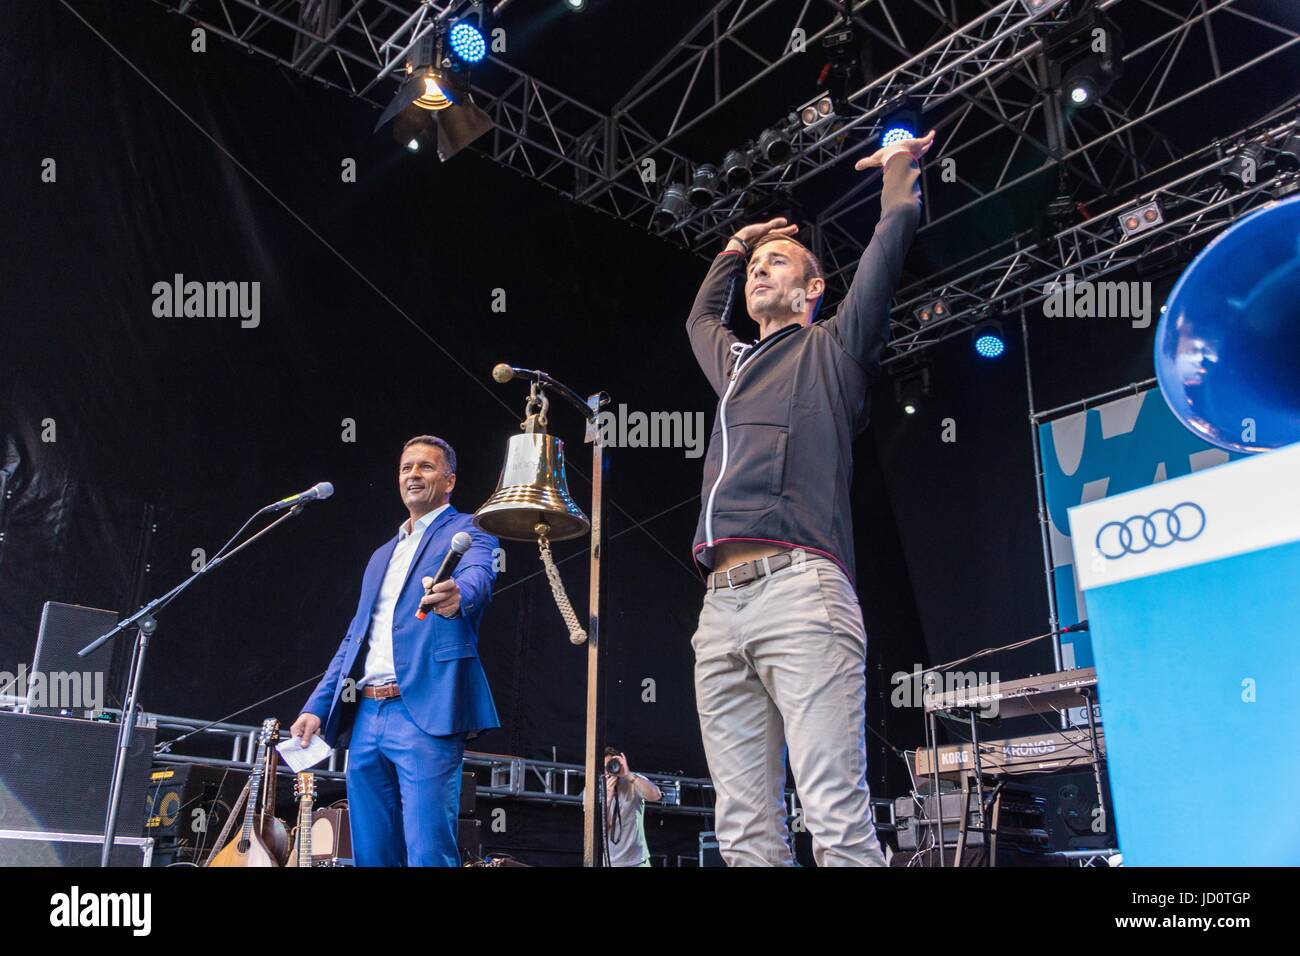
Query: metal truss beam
column 1196, row 204
column 990, row 71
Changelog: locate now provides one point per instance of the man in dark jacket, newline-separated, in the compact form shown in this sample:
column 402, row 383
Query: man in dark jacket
column 780, row 651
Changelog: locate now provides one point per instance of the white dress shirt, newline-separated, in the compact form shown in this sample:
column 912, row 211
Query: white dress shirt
column 379, row 658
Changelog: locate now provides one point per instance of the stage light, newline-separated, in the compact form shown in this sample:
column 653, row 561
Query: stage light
column 434, row 98
column 1080, row 73
column 896, row 134
column 774, row 144
column 1245, row 167
column 435, row 94
column 910, row 388
column 704, row 185
column 931, row 311
column 902, row 120
column 821, row 108
column 988, row 340
column 736, row 172
column 1288, row 153
column 575, row 6
column 467, row 42
column 672, row 208
column 1141, row 219
column 1038, row 6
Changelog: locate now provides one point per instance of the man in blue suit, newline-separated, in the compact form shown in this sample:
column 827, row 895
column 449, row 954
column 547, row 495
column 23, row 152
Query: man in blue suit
column 403, row 694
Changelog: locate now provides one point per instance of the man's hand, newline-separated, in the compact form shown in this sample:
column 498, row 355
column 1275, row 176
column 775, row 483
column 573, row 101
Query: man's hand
column 307, row 726
column 444, row 599
column 915, row 148
column 751, row 234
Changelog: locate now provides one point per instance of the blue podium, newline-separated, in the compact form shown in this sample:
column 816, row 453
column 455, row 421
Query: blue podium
column 1192, row 589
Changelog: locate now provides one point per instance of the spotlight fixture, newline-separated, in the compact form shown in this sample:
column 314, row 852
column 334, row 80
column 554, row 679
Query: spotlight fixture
column 467, row 42
column 673, row 205
column 704, row 185
column 1079, row 72
column 847, row 62
column 1062, row 211
column 736, row 173
column 575, row 6
column 1139, row 220
column 774, row 145
column 932, row 311
column 434, row 97
column 988, row 339
column 819, row 109
column 1245, row 167
column 902, row 120
column 1288, row 152
column 910, row 388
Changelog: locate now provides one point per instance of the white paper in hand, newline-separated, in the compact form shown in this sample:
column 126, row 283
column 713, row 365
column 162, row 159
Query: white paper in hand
column 300, row 758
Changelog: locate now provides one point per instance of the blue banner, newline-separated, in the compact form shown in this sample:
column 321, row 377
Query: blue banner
column 1119, row 446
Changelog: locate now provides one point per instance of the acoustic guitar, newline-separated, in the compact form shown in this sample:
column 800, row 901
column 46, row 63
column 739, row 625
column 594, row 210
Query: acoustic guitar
column 304, row 790
column 252, row 847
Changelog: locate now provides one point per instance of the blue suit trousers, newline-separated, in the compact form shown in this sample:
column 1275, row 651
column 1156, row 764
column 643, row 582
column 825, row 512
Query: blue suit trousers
column 403, row 789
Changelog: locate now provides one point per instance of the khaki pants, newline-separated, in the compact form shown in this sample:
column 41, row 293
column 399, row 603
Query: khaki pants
column 783, row 661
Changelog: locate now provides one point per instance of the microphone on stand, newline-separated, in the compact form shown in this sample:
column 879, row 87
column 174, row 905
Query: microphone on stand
column 460, row 543
column 317, row 492
column 504, row 373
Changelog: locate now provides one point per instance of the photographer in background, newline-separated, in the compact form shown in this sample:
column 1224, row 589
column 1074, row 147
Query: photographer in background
column 626, row 794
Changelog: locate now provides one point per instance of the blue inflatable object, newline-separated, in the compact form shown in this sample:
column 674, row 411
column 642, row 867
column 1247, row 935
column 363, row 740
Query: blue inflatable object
column 1227, row 350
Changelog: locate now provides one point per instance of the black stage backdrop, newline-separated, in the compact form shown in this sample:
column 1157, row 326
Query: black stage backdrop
column 376, row 310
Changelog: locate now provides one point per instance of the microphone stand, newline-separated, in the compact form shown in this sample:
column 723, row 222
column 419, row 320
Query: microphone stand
column 145, row 624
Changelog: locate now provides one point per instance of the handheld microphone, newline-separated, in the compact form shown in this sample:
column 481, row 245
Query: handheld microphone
column 460, row 543
column 317, row 492
column 1080, row 626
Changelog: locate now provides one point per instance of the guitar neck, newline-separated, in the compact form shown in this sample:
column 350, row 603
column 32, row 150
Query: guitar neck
column 304, row 830
column 253, row 792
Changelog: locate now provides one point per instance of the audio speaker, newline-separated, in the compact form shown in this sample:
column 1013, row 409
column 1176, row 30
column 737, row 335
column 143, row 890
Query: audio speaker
column 55, row 774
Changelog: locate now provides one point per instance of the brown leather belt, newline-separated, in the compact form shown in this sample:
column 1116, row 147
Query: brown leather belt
column 381, row 692
column 749, row 572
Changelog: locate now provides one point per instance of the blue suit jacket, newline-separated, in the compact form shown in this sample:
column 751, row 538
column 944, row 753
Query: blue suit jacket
column 436, row 660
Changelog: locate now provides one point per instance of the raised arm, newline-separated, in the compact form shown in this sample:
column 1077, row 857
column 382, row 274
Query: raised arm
column 707, row 325
column 862, row 321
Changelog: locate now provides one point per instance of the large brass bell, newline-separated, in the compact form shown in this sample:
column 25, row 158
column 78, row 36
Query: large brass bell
column 532, row 489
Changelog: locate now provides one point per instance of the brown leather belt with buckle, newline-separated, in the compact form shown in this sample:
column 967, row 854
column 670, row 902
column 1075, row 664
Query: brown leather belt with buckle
column 750, row 571
column 380, row 692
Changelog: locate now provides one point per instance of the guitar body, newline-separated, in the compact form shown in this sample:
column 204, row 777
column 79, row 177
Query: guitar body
column 255, row 854
column 275, row 838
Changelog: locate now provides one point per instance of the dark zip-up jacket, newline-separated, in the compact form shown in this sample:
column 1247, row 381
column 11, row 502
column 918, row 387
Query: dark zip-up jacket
column 780, row 456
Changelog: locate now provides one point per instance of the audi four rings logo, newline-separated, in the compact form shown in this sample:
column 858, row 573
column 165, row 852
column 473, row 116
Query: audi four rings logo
column 1159, row 529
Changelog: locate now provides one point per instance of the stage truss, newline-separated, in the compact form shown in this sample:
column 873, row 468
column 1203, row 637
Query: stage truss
column 983, row 81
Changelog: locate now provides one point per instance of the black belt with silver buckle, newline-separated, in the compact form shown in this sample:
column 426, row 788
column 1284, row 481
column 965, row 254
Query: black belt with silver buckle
column 750, row 571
